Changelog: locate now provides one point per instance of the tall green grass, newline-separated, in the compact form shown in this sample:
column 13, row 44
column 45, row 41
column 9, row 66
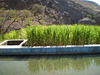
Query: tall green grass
column 0, row 38
column 53, row 35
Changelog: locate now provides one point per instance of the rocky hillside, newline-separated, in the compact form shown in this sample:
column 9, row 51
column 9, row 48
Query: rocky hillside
column 26, row 12
column 88, row 4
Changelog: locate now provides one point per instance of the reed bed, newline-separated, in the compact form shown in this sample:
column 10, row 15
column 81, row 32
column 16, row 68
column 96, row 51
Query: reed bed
column 57, row 35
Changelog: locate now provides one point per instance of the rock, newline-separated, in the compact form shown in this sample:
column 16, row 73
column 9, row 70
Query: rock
column 97, row 18
column 49, row 21
column 66, row 11
column 87, row 21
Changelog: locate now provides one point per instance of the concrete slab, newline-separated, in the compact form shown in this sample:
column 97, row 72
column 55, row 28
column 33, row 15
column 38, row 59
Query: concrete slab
column 47, row 50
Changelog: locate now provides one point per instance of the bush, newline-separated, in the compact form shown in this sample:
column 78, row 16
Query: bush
column 1, row 10
column 89, row 16
column 25, row 14
column 2, row 20
column 37, row 9
column 28, row 21
column 10, row 13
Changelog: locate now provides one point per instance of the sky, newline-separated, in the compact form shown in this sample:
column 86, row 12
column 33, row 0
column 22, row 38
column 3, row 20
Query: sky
column 96, row 1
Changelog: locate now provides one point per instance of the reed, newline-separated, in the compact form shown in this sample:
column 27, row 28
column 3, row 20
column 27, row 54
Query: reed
column 0, row 38
column 63, row 35
column 55, row 35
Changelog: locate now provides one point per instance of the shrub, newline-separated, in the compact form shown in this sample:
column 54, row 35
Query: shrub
column 2, row 20
column 10, row 13
column 25, row 14
column 28, row 21
column 89, row 16
column 17, row 19
column 37, row 9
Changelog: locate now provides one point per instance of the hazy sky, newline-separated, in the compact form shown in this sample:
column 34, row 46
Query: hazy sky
column 96, row 1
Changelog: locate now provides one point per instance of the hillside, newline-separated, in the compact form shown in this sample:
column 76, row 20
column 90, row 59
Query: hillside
column 88, row 4
column 15, row 14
